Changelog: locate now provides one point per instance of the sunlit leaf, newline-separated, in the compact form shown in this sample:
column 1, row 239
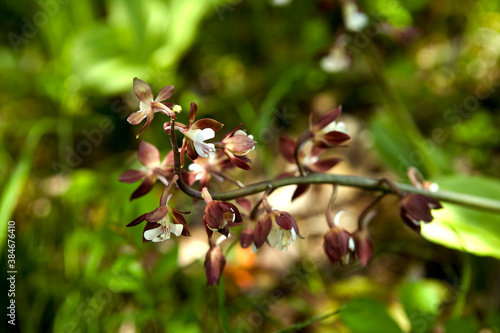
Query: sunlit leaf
column 467, row 229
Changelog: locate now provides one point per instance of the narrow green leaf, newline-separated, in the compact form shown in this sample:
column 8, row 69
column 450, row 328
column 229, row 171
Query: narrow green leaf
column 15, row 184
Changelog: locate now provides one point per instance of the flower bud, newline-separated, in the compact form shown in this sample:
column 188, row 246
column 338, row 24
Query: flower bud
column 214, row 264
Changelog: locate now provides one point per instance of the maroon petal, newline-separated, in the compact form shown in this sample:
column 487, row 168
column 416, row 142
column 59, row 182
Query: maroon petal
column 246, row 237
column 287, row 147
column 148, row 155
column 209, row 231
column 131, row 176
column 364, row 247
column 239, row 161
column 165, row 93
column 284, row 220
column 190, row 150
column 178, row 218
column 214, row 215
column 412, row 223
column 229, row 207
column 334, row 138
column 327, row 118
column 336, row 244
column 245, row 203
column 146, row 186
column 316, row 151
column 301, row 189
column 208, row 123
column 193, row 108
column 262, row 230
column 224, row 231
column 137, row 220
column 325, row 165
column 143, row 91
column 417, row 206
column 157, row 214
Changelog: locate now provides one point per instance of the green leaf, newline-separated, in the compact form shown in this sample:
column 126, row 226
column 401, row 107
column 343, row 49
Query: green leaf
column 462, row 325
column 465, row 229
column 368, row 315
column 421, row 301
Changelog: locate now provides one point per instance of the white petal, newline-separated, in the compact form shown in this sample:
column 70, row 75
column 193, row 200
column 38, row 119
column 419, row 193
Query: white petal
column 207, row 133
column 352, row 245
column 274, row 236
column 152, row 233
column 199, row 149
column 176, row 229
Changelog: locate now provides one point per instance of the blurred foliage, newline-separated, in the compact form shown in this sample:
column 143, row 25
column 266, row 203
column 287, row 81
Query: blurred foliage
column 419, row 83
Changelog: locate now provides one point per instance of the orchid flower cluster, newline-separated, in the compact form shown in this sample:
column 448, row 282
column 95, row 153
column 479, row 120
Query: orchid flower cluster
column 262, row 224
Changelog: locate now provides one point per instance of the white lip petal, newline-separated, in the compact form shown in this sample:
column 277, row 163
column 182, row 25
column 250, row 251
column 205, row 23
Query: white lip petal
column 199, row 149
column 274, row 236
column 204, row 149
column 176, row 229
column 152, row 233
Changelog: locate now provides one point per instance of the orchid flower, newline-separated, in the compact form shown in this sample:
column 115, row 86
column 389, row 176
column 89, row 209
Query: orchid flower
column 148, row 106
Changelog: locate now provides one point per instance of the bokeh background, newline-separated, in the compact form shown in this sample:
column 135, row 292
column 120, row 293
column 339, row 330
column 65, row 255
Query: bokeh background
column 418, row 81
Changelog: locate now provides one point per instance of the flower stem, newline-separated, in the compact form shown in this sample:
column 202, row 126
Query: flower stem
column 177, row 165
column 364, row 183
column 301, row 141
column 342, row 180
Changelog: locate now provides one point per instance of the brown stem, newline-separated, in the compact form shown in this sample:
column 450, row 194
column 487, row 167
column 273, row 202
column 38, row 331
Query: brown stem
column 367, row 210
column 301, row 141
column 177, row 165
column 329, row 214
column 383, row 185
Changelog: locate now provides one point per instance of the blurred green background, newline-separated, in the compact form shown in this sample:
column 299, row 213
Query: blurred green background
column 418, row 81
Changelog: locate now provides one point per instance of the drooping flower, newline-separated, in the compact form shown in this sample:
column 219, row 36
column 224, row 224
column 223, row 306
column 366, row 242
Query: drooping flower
column 338, row 243
column 219, row 215
column 163, row 221
column 150, row 158
column 278, row 228
column 416, row 208
column 238, row 143
column 214, row 265
column 148, row 106
column 327, row 132
column 195, row 135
